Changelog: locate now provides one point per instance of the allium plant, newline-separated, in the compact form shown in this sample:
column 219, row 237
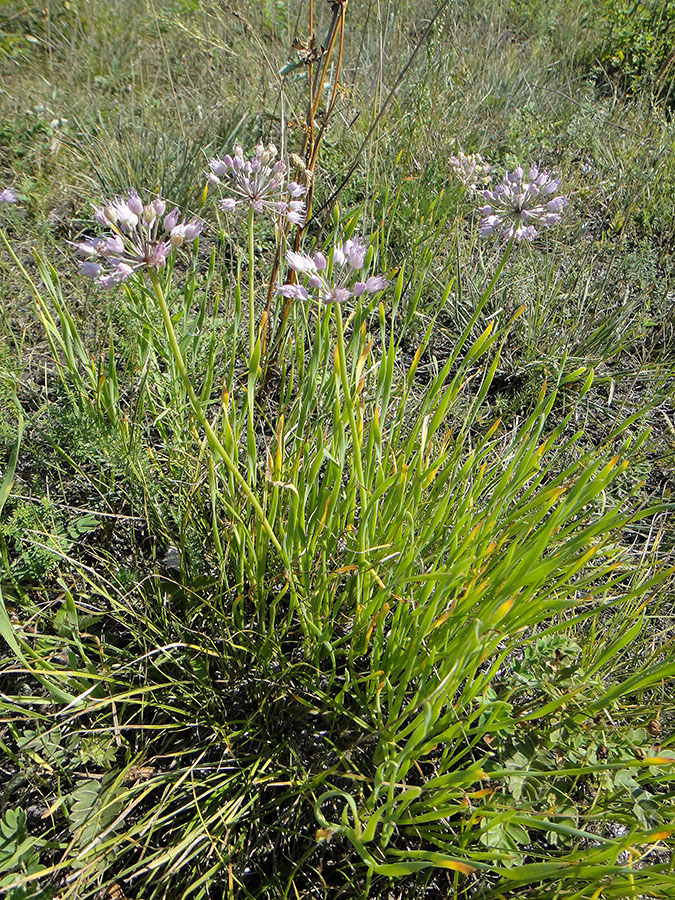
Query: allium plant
column 142, row 238
column 8, row 196
column 259, row 183
column 337, row 284
column 522, row 204
column 470, row 169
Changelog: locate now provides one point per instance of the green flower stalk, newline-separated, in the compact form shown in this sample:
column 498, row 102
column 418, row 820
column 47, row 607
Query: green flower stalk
column 134, row 227
column 214, row 441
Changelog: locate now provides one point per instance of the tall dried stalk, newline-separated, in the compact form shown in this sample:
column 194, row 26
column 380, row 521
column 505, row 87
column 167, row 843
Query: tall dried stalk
column 310, row 152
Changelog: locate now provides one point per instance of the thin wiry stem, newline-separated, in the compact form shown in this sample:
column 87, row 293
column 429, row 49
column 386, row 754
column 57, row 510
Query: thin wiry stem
column 333, row 98
column 333, row 197
column 311, row 154
column 309, row 136
column 338, row 16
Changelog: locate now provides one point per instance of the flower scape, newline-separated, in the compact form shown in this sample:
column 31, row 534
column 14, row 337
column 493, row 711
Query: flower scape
column 142, row 238
column 522, row 204
column 335, row 283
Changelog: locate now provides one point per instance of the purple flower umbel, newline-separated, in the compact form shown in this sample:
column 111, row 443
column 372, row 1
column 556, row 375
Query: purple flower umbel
column 522, row 204
column 348, row 260
column 8, row 196
column 142, row 237
column 260, row 183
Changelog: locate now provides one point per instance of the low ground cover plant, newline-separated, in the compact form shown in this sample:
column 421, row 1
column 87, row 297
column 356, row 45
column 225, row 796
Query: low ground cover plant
column 638, row 50
column 330, row 566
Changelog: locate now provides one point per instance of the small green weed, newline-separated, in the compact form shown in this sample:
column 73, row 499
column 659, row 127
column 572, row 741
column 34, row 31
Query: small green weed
column 638, row 51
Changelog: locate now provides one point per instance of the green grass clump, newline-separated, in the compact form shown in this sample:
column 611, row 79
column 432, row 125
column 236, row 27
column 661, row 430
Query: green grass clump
column 369, row 599
column 639, row 47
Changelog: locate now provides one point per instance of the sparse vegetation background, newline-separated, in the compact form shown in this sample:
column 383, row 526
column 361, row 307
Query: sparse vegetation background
column 336, row 539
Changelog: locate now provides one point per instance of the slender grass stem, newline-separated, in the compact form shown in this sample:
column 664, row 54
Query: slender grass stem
column 214, row 441
column 344, row 378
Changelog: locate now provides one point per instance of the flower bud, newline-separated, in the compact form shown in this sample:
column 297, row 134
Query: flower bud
column 556, row 205
column 375, row 283
column 134, row 204
column 192, row 229
column 124, row 270
column 126, row 219
column 219, row 166
column 171, row 220
column 90, row 269
column 355, row 251
column 112, row 246
column 85, row 248
column 177, row 236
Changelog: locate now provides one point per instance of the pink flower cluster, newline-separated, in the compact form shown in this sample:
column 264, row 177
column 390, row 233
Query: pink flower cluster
column 522, row 204
column 142, row 237
column 336, row 283
column 260, row 183
column 8, row 196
